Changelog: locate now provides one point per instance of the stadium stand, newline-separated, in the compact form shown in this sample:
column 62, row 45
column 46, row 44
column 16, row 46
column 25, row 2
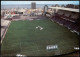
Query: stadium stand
column 4, row 27
column 69, row 19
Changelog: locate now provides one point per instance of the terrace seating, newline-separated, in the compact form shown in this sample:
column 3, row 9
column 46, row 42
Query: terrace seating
column 68, row 23
column 4, row 27
column 78, row 21
column 4, row 22
column 78, row 30
column 60, row 14
column 74, row 17
column 67, row 15
column 69, row 20
column 74, row 26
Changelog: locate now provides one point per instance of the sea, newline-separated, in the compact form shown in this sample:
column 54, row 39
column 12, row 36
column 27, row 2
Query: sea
column 24, row 6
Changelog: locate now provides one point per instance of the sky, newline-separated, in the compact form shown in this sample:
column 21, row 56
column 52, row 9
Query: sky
column 39, row 2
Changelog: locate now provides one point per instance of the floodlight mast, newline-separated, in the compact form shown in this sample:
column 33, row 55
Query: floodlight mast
column 45, row 9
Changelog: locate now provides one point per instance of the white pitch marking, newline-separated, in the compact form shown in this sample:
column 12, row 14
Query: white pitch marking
column 36, row 27
column 18, row 55
column 39, row 27
column 51, row 47
column 77, row 48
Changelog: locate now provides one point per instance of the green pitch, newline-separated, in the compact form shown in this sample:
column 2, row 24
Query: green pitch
column 23, row 38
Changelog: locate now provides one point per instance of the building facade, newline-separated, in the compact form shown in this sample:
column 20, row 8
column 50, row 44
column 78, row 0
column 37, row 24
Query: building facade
column 33, row 5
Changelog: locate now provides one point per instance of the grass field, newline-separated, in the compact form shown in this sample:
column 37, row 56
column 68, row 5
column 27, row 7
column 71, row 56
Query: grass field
column 23, row 38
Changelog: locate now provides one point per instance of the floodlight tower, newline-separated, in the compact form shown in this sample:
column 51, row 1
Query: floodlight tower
column 45, row 9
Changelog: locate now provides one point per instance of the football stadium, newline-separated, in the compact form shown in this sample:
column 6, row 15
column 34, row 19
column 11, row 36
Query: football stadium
column 53, row 32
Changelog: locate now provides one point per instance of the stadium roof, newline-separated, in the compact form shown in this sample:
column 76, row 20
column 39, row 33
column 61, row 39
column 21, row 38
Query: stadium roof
column 68, row 9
